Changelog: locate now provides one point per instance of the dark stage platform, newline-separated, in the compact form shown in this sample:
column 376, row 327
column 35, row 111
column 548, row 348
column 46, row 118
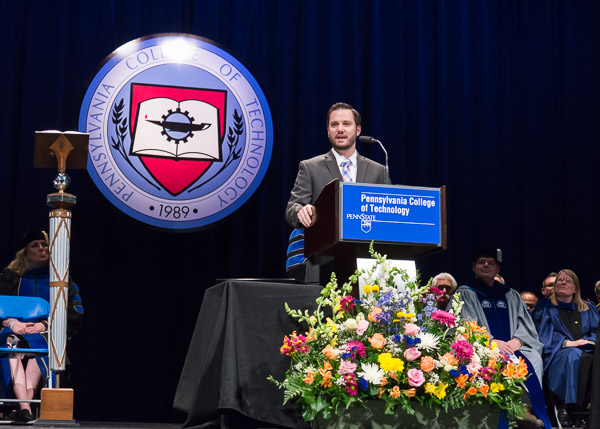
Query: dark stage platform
column 101, row 425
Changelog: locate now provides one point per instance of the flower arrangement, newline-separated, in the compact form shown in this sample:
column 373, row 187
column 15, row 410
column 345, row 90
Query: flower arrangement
column 394, row 345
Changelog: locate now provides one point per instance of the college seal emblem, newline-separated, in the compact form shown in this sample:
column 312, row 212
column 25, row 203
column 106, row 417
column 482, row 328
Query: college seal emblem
column 181, row 134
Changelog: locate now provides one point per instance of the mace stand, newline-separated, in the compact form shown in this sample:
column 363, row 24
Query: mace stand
column 55, row 147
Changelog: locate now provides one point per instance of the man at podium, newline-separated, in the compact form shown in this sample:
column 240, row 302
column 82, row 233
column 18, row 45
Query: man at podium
column 342, row 162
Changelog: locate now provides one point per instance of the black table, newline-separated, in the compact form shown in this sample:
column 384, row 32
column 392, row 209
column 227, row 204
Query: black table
column 235, row 347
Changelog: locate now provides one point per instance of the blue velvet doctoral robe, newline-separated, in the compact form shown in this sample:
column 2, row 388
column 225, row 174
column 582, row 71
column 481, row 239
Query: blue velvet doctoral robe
column 502, row 311
column 561, row 364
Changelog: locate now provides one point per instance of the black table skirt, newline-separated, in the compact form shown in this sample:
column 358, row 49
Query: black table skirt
column 235, row 347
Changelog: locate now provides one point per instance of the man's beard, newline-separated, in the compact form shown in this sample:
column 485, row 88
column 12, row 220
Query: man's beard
column 343, row 146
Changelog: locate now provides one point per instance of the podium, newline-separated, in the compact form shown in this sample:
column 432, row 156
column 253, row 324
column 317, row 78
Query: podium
column 404, row 222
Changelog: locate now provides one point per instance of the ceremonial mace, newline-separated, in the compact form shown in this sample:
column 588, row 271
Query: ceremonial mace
column 68, row 149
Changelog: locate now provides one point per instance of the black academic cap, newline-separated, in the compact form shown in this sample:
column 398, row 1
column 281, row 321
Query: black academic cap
column 486, row 252
column 31, row 235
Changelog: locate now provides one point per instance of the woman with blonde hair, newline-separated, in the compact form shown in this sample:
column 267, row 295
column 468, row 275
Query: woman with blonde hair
column 567, row 327
column 29, row 275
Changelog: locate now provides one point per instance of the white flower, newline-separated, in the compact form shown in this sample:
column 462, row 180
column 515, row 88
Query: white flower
column 411, row 309
column 399, row 284
column 475, row 358
column 457, row 304
column 371, row 373
column 433, row 378
column 351, row 324
column 428, row 342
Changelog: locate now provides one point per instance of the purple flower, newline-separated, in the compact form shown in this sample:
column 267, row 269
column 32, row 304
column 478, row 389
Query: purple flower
column 384, row 317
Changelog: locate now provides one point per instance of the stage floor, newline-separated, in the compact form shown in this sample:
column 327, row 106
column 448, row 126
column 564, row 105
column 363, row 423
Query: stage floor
column 99, row 425
column 113, row 425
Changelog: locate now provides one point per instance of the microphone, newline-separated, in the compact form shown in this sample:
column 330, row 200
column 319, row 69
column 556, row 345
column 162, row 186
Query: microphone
column 369, row 139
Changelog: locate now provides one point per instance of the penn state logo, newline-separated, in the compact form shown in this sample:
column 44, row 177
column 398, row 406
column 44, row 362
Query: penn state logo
column 501, row 304
column 365, row 225
column 180, row 132
column 486, row 304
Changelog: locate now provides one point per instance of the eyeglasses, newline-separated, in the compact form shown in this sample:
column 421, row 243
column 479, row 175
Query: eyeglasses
column 565, row 279
column 486, row 261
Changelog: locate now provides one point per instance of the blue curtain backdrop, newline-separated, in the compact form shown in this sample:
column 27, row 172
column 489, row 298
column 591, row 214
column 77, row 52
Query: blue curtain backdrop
column 497, row 100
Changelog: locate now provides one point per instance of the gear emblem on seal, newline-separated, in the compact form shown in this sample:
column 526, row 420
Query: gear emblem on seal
column 179, row 126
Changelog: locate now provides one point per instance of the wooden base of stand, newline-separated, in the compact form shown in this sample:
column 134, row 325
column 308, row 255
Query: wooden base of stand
column 57, row 404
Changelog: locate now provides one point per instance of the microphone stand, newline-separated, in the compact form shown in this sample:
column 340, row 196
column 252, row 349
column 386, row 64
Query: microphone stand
column 369, row 139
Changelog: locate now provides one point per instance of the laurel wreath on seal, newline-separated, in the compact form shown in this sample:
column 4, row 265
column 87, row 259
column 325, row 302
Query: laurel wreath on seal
column 121, row 133
column 233, row 139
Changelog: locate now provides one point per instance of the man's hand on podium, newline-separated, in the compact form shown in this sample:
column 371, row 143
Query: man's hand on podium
column 305, row 215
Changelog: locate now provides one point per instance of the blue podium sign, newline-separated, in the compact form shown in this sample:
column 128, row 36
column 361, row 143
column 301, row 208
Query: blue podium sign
column 390, row 214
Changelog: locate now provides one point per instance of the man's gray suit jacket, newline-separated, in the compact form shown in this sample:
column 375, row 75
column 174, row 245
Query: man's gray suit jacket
column 313, row 175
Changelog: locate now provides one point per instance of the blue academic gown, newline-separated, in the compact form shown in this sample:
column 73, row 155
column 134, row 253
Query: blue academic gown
column 561, row 364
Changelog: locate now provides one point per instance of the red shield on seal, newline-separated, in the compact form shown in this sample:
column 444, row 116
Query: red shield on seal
column 176, row 132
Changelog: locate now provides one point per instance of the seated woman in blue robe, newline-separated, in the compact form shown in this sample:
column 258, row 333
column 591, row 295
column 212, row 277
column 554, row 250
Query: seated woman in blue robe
column 567, row 327
column 29, row 275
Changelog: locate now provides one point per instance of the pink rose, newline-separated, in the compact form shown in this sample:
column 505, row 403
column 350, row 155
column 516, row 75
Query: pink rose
column 411, row 329
column 412, row 354
column 415, row 377
column 473, row 367
column 362, row 326
column 347, row 367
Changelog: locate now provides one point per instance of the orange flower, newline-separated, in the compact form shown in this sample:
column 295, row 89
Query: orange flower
column 410, row 392
column 484, row 389
column 381, row 391
column 492, row 362
column 395, row 393
column 326, row 381
column 450, row 359
column 326, row 374
column 311, row 335
column 393, row 375
column 310, row 378
column 474, row 327
column 373, row 313
column 383, row 381
column 461, row 380
column 330, row 352
column 510, row 371
column 522, row 368
column 427, row 364
column 377, row 341
column 470, row 392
